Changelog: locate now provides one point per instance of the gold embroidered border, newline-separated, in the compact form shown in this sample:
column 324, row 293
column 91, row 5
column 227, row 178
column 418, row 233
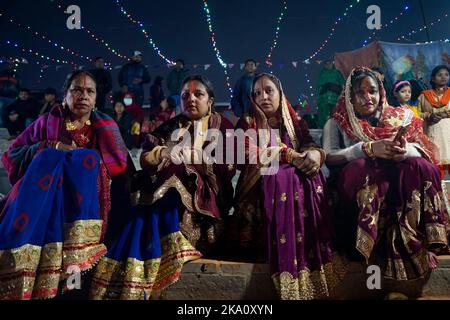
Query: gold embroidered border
column 82, row 232
column 364, row 243
column 403, row 270
column 311, row 284
column 32, row 271
column 128, row 280
column 436, row 233
column 172, row 182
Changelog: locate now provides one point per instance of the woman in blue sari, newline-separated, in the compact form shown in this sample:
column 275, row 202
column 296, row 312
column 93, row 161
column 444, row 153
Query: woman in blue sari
column 181, row 207
column 53, row 221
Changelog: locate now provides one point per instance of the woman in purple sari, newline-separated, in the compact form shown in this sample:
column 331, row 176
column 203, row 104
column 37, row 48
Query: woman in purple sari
column 182, row 203
column 55, row 217
column 284, row 214
column 391, row 207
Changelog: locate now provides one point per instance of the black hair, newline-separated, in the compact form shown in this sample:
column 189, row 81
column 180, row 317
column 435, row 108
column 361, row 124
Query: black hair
column 436, row 71
column 400, row 87
column 98, row 58
column 249, row 60
column 24, row 90
column 158, row 80
column 171, row 103
column 273, row 78
column 74, row 75
column 50, row 91
column 359, row 75
column 203, row 80
column 180, row 60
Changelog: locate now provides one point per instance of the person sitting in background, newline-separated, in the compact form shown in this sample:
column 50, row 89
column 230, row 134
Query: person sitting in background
column 125, row 122
column 402, row 94
column 164, row 112
column 49, row 100
column 156, row 92
column 20, row 113
column 9, row 86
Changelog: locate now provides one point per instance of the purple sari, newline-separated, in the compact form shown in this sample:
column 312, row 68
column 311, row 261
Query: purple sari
column 400, row 213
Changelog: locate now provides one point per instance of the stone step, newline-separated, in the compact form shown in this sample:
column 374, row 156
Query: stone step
column 206, row 279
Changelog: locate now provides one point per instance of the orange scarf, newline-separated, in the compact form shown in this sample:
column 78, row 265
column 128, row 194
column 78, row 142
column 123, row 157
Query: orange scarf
column 434, row 100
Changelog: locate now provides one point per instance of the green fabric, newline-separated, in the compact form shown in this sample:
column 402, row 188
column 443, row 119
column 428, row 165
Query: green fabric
column 328, row 99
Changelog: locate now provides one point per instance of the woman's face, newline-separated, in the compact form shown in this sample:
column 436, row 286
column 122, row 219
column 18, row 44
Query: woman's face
column 441, row 78
column 266, row 95
column 195, row 100
column 366, row 97
column 403, row 95
column 81, row 95
column 119, row 107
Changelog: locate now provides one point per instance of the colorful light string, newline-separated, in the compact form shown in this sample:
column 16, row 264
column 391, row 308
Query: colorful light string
column 277, row 33
column 390, row 23
column 214, row 44
column 98, row 39
column 39, row 55
column 46, row 39
column 423, row 27
column 333, row 29
column 145, row 33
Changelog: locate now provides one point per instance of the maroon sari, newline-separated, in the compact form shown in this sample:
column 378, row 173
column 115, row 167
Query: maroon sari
column 286, row 216
column 398, row 207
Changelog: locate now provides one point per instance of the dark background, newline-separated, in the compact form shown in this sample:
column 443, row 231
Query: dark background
column 244, row 29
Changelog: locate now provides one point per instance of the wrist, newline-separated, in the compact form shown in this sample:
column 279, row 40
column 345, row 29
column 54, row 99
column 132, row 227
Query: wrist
column 367, row 147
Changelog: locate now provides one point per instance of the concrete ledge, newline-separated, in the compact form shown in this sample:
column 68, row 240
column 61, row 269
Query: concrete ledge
column 206, row 279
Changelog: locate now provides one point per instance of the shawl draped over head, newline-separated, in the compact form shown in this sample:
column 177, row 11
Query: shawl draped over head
column 390, row 121
column 296, row 128
column 46, row 128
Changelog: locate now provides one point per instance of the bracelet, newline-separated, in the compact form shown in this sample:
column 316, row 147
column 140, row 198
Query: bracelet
column 367, row 148
column 289, row 153
column 57, row 144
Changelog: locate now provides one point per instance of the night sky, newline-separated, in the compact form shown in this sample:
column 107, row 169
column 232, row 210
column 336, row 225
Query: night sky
column 244, row 29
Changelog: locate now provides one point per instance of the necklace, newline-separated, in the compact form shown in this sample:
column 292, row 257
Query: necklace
column 71, row 125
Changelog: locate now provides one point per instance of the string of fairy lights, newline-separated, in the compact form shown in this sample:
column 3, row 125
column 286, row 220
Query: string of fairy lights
column 213, row 38
column 431, row 24
column 98, row 39
column 277, row 33
column 214, row 44
column 385, row 26
column 47, row 39
column 38, row 54
column 333, row 29
column 144, row 32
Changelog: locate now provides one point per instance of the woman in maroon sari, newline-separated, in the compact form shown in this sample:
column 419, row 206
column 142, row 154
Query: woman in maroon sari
column 181, row 205
column 284, row 215
column 390, row 197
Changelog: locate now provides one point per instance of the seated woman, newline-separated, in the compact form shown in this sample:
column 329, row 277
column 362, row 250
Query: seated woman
column 181, row 206
column 390, row 198
column 284, row 214
column 54, row 218
column 125, row 122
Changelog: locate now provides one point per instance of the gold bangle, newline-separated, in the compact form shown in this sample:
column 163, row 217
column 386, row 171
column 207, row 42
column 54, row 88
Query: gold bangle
column 57, row 144
column 290, row 155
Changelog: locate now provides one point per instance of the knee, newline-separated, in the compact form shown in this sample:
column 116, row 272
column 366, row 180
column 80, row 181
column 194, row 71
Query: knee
column 421, row 165
column 352, row 176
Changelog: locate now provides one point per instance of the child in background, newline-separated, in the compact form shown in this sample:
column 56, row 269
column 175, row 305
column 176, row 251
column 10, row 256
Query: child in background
column 402, row 93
